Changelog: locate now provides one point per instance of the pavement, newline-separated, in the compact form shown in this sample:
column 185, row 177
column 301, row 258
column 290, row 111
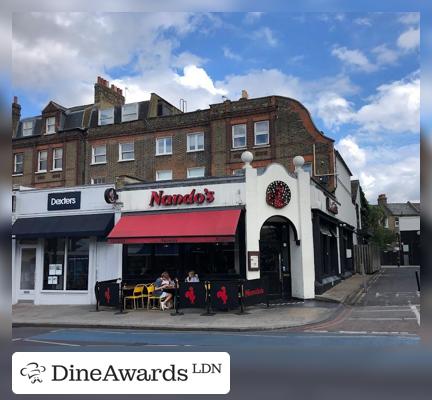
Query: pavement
column 287, row 315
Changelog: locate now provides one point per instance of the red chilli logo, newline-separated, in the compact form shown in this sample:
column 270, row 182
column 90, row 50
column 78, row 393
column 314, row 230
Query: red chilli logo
column 190, row 294
column 222, row 294
column 107, row 295
column 161, row 199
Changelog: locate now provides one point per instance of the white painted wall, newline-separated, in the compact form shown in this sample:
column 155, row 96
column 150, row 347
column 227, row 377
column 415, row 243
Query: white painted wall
column 411, row 223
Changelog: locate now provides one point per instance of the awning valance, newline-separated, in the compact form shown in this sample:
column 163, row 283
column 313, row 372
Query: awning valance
column 184, row 227
column 83, row 225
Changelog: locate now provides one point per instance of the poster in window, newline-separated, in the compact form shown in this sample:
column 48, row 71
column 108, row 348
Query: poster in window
column 253, row 264
column 50, row 280
column 54, row 268
column 59, row 269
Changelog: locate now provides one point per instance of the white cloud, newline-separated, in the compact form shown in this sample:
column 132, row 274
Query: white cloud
column 382, row 169
column 394, row 108
column 385, row 55
column 354, row 58
column 231, row 55
column 252, row 17
column 410, row 18
column 363, row 21
column 409, row 40
column 333, row 109
column 267, row 35
column 197, row 78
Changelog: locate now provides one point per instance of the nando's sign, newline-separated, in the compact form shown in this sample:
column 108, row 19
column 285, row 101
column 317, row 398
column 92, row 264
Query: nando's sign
column 194, row 197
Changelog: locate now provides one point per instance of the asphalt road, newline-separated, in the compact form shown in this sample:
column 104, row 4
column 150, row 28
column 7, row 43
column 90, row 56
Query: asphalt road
column 370, row 350
column 391, row 305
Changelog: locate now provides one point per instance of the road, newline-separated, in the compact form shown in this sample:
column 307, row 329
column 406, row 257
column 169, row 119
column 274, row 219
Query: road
column 376, row 337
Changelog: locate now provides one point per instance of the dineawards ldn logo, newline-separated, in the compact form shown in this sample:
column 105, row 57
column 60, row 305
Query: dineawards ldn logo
column 121, row 373
column 33, row 371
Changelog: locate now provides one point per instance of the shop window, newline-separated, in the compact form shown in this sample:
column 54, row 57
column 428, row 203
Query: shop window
column 397, row 222
column 77, row 264
column 130, row 112
column 106, row 117
column 18, row 163
column 195, row 142
column 42, row 161
column 57, row 159
column 27, row 128
column 66, row 260
column 54, row 264
column 99, row 154
column 239, row 136
column 50, row 125
column 238, row 172
column 261, row 133
column 164, row 175
column 195, row 172
column 164, row 146
column 126, row 151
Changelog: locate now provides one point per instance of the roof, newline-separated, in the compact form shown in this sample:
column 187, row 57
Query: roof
column 143, row 107
column 403, row 209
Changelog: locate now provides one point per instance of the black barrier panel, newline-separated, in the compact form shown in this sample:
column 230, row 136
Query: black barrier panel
column 192, row 295
column 224, row 295
column 109, row 294
column 254, row 292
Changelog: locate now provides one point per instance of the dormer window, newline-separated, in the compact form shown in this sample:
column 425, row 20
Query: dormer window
column 106, row 117
column 130, row 112
column 50, row 125
column 27, row 128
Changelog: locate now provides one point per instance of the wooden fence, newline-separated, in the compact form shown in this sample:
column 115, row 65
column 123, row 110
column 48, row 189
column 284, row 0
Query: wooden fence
column 367, row 255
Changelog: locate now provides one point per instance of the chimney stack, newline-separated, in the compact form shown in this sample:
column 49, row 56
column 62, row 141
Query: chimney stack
column 244, row 95
column 106, row 96
column 16, row 115
column 382, row 200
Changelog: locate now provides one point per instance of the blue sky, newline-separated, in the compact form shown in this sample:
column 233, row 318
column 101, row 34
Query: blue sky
column 358, row 73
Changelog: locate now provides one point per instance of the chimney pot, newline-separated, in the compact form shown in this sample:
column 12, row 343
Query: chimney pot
column 15, row 100
column 244, row 94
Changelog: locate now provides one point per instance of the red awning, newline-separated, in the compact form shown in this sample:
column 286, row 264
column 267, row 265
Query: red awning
column 185, row 227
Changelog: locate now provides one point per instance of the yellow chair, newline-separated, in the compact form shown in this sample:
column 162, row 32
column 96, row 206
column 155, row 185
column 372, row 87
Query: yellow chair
column 138, row 293
column 151, row 296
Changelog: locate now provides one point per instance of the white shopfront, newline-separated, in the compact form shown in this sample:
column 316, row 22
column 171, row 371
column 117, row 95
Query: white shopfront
column 58, row 245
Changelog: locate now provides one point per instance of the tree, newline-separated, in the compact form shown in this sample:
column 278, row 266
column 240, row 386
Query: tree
column 381, row 236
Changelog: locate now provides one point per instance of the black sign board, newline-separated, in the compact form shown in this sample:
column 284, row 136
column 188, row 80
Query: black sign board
column 224, row 295
column 108, row 294
column 64, row 201
column 192, row 295
column 254, row 292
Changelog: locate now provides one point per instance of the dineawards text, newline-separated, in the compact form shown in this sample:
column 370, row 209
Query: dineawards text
column 112, row 374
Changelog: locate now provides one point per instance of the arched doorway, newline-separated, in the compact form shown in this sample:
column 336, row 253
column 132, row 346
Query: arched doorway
column 275, row 257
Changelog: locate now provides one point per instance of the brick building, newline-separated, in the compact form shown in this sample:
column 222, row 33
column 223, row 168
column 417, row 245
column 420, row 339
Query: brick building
column 153, row 140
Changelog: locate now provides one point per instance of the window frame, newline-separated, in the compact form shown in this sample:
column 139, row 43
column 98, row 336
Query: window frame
column 163, row 170
column 99, row 155
column 260, row 134
column 121, row 159
column 39, row 161
column 188, row 142
column 233, row 136
column 92, row 180
column 54, row 159
column 195, row 177
column 15, row 172
column 165, row 153
column 47, row 131
column 100, row 111
column 27, row 129
column 126, row 117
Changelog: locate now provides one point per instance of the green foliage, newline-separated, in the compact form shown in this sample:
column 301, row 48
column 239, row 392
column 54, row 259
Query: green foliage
column 381, row 236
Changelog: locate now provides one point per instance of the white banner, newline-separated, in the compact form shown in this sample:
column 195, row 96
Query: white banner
column 121, row 373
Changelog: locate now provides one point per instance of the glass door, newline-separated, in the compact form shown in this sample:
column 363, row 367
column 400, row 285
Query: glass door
column 27, row 273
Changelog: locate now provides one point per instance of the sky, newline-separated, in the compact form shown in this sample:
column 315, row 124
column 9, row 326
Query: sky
column 357, row 73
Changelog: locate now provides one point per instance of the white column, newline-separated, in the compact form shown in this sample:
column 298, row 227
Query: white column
column 303, row 276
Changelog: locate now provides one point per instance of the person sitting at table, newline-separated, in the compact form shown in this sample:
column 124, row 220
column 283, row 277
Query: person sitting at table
column 192, row 277
column 164, row 282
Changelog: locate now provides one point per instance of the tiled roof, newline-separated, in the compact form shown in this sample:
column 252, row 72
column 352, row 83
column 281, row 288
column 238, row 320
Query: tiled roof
column 403, row 209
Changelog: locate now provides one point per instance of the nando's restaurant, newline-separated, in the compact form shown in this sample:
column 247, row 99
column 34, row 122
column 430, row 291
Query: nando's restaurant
column 238, row 227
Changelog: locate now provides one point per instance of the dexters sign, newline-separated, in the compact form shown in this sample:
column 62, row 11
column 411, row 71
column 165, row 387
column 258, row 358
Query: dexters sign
column 64, row 201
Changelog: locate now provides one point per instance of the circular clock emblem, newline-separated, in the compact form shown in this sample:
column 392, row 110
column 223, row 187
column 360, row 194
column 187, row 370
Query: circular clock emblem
column 278, row 194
